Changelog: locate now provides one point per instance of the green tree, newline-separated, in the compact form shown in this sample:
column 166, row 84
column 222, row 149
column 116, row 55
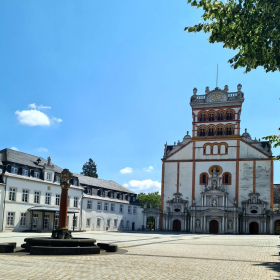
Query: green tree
column 90, row 169
column 250, row 26
column 274, row 140
column 148, row 198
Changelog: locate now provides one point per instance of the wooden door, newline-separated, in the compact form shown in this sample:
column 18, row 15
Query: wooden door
column 176, row 225
column 214, row 227
column 254, row 228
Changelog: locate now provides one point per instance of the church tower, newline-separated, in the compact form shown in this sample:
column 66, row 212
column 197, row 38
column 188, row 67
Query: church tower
column 207, row 177
column 216, row 115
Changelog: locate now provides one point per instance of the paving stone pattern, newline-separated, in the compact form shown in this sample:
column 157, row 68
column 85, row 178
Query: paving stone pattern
column 153, row 256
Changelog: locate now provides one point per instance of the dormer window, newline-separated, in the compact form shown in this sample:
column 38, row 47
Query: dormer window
column 75, row 182
column 36, row 175
column 89, row 191
column 134, row 198
column 111, row 195
column 14, row 170
column 120, row 196
column 49, row 176
column 57, row 178
column 24, row 172
column 128, row 198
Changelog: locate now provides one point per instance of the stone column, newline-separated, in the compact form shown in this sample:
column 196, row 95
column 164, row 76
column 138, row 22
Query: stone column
column 63, row 208
column 264, row 226
column 234, row 224
column 145, row 221
column 226, row 224
column 65, row 176
column 194, row 224
column 237, row 224
column 271, row 225
column 204, row 224
column 223, row 224
column 191, row 224
column 157, row 223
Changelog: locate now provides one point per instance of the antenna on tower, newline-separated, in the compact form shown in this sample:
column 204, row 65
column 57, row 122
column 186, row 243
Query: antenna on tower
column 217, row 76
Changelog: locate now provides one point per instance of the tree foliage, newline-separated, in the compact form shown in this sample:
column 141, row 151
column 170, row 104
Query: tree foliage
column 250, row 26
column 90, row 169
column 274, row 140
column 148, row 198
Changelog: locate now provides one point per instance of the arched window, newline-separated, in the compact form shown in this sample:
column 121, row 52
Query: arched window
column 229, row 130
column 211, row 130
column 203, row 179
column 227, row 178
column 215, row 149
column 220, row 116
column 201, row 131
column 223, row 149
column 211, row 116
column 220, row 130
column 202, row 117
column 229, row 115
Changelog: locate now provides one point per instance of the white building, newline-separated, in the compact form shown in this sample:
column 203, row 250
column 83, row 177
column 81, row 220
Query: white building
column 109, row 206
column 218, row 180
column 30, row 198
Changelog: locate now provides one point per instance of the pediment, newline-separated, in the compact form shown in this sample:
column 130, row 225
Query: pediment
column 180, row 153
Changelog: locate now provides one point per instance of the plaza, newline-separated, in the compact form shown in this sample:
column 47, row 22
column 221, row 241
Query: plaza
column 155, row 255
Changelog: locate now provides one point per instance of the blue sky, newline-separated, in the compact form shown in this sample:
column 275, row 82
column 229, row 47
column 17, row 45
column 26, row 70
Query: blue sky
column 117, row 77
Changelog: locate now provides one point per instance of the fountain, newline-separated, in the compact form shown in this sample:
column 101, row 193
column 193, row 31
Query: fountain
column 61, row 242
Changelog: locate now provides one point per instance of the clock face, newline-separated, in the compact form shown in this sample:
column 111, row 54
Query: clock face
column 216, row 97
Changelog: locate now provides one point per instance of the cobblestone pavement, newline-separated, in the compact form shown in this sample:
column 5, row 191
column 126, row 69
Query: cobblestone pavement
column 153, row 256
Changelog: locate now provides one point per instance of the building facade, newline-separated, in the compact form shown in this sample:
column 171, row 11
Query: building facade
column 218, row 180
column 30, row 198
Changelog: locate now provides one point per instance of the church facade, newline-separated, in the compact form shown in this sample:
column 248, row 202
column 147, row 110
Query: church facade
column 219, row 180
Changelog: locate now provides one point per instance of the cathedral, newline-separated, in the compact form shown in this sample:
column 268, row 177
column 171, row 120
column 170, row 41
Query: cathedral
column 218, row 180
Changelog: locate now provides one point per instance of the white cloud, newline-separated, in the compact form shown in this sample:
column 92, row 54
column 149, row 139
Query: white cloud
column 126, row 170
column 32, row 118
column 14, row 148
column 56, row 120
column 45, row 150
column 142, row 185
column 149, row 169
column 40, row 107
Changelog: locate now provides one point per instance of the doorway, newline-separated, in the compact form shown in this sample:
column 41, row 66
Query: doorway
column 150, row 223
column 254, row 228
column 176, row 225
column 133, row 225
column 277, row 227
column 214, row 227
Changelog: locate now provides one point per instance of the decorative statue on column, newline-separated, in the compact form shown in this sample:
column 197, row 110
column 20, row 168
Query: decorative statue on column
column 230, row 224
column 62, row 231
column 214, row 184
column 214, row 202
column 198, row 223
